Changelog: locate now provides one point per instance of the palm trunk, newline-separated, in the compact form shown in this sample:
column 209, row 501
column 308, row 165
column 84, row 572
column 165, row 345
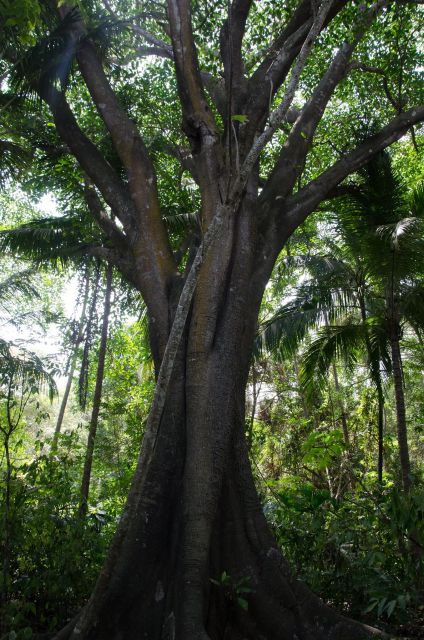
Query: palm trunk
column 86, row 477
column 395, row 333
column 374, row 367
column 7, row 524
column 400, row 408
column 72, row 365
column 380, row 399
column 339, row 399
column 342, row 406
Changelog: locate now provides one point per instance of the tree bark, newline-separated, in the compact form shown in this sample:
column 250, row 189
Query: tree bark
column 86, row 476
column 193, row 511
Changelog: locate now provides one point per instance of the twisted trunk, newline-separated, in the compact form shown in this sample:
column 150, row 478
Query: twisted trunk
column 193, row 510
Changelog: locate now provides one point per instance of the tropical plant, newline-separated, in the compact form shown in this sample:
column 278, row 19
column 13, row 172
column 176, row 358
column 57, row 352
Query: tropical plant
column 359, row 297
column 22, row 376
column 193, row 510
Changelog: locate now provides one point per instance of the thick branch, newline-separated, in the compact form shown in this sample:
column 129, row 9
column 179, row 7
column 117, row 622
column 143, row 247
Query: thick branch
column 307, row 199
column 125, row 136
column 106, row 224
column 157, row 43
column 150, row 247
column 273, row 70
column 123, row 263
column 89, row 157
column 278, row 115
column 231, row 38
column 293, row 155
column 198, row 121
column 151, row 243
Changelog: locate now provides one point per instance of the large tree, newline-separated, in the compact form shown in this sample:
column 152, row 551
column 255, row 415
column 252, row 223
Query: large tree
column 252, row 117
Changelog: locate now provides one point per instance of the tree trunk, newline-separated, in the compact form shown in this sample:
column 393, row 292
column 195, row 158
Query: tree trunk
column 341, row 405
column 374, row 368
column 73, row 363
column 86, row 476
column 400, row 408
column 380, row 399
column 193, row 511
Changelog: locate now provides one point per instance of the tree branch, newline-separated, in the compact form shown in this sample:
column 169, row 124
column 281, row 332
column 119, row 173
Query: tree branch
column 276, row 64
column 306, row 200
column 89, row 157
column 231, row 38
column 293, row 155
column 198, row 121
column 159, row 45
column 278, row 115
column 106, row 224
column 376, row 70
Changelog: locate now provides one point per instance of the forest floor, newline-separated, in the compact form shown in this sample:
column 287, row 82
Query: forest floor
column 414, row 628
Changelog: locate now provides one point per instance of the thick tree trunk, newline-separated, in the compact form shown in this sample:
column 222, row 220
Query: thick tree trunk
column 193, row 511
column 177, row 542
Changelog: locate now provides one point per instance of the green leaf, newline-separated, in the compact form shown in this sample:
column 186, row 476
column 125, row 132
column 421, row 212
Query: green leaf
column 391, row 607
column 371, row 606
column 240, row 118
column 243, row 603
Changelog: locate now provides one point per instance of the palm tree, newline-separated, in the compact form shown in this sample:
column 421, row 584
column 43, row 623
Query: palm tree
column 364, row 293
column 332, row 301
column 382, row 225
column 86, row 476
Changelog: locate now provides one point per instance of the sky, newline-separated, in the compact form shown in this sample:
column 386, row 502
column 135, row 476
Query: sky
column 28, row 334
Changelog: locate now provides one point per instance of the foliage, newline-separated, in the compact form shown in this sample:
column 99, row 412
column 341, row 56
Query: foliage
column 322, row 359
column 354, row 551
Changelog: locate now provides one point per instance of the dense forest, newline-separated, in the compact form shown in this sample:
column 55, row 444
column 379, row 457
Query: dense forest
column 212, row 319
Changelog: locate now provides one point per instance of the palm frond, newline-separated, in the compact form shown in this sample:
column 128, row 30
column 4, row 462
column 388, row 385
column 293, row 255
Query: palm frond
column 178, row 222
column 18, row 284
column 24, row 369
column 334, row 341
column 315, row 302
column 417, row 201
column 413, row 303
column 49, row 62
column 401, row 230
column 379, row 201
column 13, row 158
column 52, row 240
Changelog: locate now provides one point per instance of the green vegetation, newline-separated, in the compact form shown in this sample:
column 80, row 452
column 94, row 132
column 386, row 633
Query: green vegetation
column 211, row 320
